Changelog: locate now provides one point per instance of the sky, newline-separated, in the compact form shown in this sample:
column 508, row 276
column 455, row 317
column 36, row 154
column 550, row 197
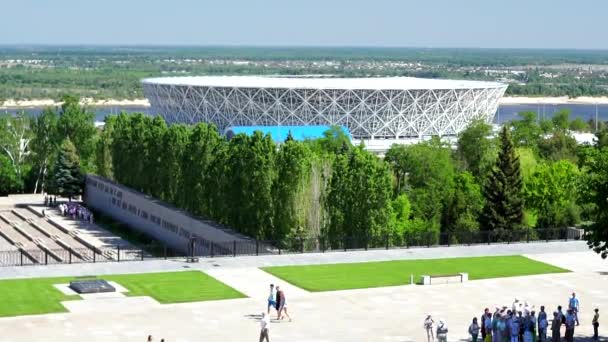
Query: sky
column 579, row 24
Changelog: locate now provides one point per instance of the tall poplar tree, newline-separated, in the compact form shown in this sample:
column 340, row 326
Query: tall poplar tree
column 504, row 209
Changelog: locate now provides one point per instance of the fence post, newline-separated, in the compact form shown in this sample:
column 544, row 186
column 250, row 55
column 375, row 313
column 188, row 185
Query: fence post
column 302, row 245
column 21, row 257
column 449, row 238
column 117, row 253
column 94, row 253
column 321, row 243
column 527, row 236
column 345, row 244
column 566, row 234
column 234, row 248
column 386, row 241
column 165, row 251
column 70, row 254
column 257, row 247
column 142, row 254
column 46, row 257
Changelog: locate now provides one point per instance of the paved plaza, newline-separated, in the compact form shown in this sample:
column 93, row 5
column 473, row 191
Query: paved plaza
column 380, row 314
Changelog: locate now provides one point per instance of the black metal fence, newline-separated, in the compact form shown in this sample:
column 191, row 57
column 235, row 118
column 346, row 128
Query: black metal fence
column 320, row 244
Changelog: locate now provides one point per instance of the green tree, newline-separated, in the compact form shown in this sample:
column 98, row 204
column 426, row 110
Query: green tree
column 400, row 219
column 595, row 192
column 503, row 210
column 78, row 124
column 153, row 163
column 561, row 120
column 293, row 163
column 15, row 137
column 199, row 157
column 476, row 150
column 551, row 192
column 579, row 125
column 67, row 177
column 561, row 145
column 44, row 144
column 359, row 199
column 428, row 172
column 175, row 141
column 10, row 182
column 462, row 211
column 251, row 172
column 526, row 131
column 103, row 149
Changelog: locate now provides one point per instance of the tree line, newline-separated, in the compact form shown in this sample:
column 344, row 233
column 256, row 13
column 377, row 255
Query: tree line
column 530, row 176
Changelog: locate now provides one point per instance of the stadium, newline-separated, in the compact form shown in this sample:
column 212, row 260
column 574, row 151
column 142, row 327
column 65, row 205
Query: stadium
column 396, row 108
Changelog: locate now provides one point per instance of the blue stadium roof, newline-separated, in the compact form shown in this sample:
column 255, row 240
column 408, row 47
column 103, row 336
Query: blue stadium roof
column 280, row 133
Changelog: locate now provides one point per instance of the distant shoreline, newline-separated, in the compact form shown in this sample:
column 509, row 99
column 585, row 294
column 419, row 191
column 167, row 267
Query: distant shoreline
column 507, row 100
column 588, row 100
column 17, row 104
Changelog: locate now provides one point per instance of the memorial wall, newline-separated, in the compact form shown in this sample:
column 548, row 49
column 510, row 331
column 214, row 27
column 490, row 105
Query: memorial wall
column 153, row 217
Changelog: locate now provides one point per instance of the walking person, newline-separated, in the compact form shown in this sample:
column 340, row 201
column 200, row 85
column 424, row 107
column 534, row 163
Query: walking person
column 428, row 326
column 474, row 330
column 573, row 304
column 271, row 298
column 264, row 323
column 596, row 324
column 278, row 302
column 442, row 331
column 283, row 304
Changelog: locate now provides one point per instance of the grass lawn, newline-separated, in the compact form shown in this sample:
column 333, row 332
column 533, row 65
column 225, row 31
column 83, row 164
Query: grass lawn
column 390, row 273
column 38, row 296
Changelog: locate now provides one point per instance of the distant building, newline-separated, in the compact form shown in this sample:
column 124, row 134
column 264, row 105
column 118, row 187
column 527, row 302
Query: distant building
column 391, row 108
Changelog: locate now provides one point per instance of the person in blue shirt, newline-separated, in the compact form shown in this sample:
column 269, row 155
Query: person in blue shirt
column 543, row 324
column 570, row 320
column 573, row 304
column 515, row 326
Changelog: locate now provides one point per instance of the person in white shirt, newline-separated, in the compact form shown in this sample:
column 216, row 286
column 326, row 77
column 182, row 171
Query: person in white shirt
column 428, row 326
column 264, row 323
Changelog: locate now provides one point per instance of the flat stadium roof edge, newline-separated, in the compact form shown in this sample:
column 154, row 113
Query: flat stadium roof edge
column 358, row 83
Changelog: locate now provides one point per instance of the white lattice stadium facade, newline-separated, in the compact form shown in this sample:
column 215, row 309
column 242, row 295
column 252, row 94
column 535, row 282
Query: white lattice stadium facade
column 371, row 108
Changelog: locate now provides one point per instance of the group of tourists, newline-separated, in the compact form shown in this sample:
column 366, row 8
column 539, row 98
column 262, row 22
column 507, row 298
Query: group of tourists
column 520, row 323
column 76, row 211
column 276, row 301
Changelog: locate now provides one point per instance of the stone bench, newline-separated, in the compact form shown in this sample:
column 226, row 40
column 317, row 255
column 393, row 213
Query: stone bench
column 444, row 278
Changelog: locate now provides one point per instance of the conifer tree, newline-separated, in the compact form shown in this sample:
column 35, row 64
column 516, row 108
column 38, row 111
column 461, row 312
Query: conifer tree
column 504, row 210
column 67, row 180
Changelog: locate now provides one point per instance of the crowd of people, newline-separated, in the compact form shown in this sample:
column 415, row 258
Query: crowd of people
column 276, row 301
column 519, row 323
column 76, row 211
